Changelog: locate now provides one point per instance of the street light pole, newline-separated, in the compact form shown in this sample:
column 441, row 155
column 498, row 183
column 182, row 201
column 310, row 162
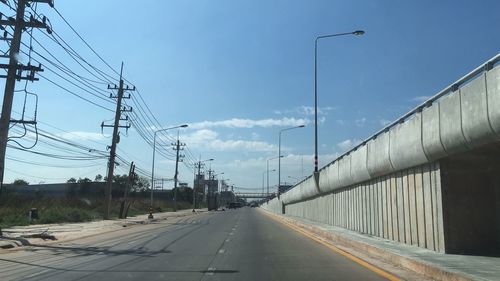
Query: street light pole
column 154, row 151
column 357, row 33
column 273, row 170
column 198, row 182
column 268, row 173
column 279, row 154
column 263, row 173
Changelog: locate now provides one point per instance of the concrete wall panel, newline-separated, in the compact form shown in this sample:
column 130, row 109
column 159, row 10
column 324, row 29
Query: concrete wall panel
column 308, row 189
column 419, row 200
column 389, row 208
column 475, row 122
column 400, row 207
column 359, row 171
column 378, row 158
column 345, row 178
column 435, row 222
column 406, row 149
column 431, row 138
column 451, row 124
column 429, row 224
column 439, row 200
column 385, row 224
column 324, row 181
column 493, row 93
column 380, row 209
column 413, row 208
column 371, row 208
column 406, row 203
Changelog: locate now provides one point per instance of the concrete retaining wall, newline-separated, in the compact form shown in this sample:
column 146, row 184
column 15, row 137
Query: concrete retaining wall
column 390, row 185
column 466, row 117
column 403, row 206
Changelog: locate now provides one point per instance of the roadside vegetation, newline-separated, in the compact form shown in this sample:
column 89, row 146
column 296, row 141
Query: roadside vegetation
column 14, row 209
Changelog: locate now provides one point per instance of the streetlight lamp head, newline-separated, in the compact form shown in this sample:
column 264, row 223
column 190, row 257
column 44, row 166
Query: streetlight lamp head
column 183, row 126
column 302, row 126
column 358, row 32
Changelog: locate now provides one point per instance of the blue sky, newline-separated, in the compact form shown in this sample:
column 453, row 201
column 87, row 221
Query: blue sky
column 239, row 71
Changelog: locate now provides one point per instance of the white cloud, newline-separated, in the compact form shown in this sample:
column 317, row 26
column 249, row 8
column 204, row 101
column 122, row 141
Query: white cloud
column 360, row 122
column 240, row 145
column 249, row 123
column 420, row 99
column 340, row 122
column 287, row 161
column 384, row 122
column 209, row 139
column 348, row 144
column 305, row 110
column 85, row 136
column 255, row 136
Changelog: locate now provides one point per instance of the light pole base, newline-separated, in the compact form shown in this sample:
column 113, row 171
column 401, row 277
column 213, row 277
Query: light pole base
column 316, row 179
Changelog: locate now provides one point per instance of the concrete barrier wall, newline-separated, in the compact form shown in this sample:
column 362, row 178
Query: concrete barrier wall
column 273, row 206
column 404, row 206
column 464, row 118
column 390, row 185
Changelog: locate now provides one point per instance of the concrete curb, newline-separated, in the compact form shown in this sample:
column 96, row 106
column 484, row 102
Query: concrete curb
column 352, row 246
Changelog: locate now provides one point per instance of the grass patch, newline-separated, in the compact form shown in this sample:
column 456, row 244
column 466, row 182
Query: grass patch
column 14, row 209
column 66, row 214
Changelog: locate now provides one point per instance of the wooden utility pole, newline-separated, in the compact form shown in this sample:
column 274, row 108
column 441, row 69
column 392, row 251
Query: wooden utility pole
column 116, row 138
column 15, row 70
column 177, row 147
column 130, row 182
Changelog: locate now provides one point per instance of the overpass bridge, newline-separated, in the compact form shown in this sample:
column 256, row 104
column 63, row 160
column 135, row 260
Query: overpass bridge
column 430, row 179
column 254, row 195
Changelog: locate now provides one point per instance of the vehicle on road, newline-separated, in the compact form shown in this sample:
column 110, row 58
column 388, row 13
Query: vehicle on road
column 234, row 205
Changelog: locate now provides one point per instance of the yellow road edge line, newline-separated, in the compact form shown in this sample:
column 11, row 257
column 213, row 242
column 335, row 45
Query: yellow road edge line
column 349, row 256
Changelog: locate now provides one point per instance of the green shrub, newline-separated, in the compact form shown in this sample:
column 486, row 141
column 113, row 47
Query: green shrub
column 65, row 214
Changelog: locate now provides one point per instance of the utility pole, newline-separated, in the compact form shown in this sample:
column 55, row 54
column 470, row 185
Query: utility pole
column 15, row 70
column 116, row 136
column 130, row 181
column 177, row 147
column 198, row 179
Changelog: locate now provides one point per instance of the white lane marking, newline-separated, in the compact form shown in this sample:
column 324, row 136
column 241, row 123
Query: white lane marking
column 222, row 251
column 210, row 271
column 131, row 242
column 232, row 233
column 37, row 273
column 227, row 240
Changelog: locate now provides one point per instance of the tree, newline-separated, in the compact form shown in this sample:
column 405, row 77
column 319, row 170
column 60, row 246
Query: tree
column 71, row 180
column 84, row 185
column 84, row 180
column 98, row 177
column 20, row 182
column 139, row 183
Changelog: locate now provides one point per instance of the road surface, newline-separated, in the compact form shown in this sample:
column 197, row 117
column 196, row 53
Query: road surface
column 241, row 244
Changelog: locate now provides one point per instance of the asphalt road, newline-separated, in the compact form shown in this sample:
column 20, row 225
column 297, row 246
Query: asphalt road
column 241, row 244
